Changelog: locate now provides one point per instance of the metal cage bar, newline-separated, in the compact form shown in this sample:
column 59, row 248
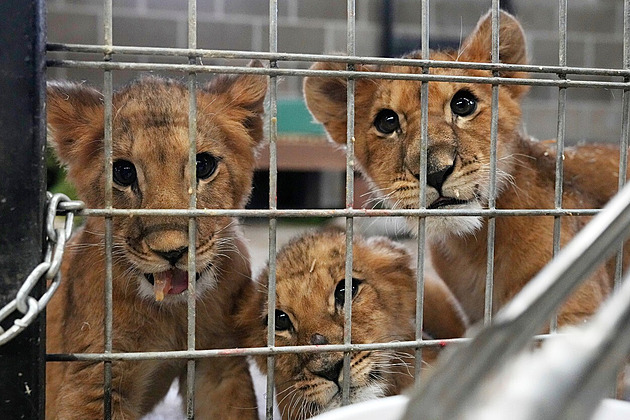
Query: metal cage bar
column 422, row 199
column 625, row 129
column 494, row 124
column 107, row 150
column 185, row 68
column 347, row 307
column 562, row 99
column 234, row 54
column 192, row 222
column 273, row 205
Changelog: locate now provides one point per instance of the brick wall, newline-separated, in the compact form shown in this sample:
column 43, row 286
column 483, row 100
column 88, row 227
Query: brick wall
column 315, row 26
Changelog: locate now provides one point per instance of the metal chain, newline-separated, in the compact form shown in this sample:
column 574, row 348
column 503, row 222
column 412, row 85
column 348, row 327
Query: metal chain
column 48, row 270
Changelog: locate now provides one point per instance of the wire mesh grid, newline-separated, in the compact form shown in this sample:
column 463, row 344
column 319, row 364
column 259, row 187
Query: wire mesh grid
column 618, row 79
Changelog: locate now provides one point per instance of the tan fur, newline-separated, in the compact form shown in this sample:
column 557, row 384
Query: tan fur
column 150, row 129
column 525, row 176
column 308, row 271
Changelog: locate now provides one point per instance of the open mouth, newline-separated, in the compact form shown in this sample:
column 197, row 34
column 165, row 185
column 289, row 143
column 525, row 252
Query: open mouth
column 169, row 282
column 446, row 201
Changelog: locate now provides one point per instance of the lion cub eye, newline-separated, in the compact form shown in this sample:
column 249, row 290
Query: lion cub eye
column 341, row 289
column 206, row 165
column 124, row 173
column 283, row 322
column 386, row 121
column 463, row 103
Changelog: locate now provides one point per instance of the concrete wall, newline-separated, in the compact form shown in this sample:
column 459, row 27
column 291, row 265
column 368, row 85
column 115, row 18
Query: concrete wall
column 316, row 26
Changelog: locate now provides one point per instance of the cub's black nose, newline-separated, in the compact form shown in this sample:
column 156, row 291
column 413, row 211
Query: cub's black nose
column 436, row 179
column 332, row 372
column 173, row 255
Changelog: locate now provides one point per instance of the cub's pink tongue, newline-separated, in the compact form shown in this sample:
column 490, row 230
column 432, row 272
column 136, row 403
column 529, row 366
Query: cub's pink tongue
column 179, row 282
column 172, row 281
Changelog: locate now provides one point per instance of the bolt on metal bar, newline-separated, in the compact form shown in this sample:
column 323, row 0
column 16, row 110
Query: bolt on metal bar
column 350, row 91
column 187, row 68
column 272, row 116
column 422, row 199
column 459, row 373
column 494, row 124
column 108, row 298
column 560, row 135
column 192, row 222
column 233, row 54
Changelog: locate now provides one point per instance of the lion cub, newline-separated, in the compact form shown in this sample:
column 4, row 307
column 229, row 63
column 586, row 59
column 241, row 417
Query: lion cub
column 388, row 135
column 150, row 281
column 309, row 311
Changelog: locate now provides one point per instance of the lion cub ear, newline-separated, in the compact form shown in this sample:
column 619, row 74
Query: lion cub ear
column 75, row 121
column 392, row 254
column 245, row 94
column 326, row 97
column 512, row 46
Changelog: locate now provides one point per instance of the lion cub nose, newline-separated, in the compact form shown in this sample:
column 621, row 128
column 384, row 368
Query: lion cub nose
column 318, row 339
column 173, row 255
column 332, row 372
column 436, row 179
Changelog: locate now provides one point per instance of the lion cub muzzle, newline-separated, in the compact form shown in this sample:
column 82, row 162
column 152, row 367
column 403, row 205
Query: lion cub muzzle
column 170, row 245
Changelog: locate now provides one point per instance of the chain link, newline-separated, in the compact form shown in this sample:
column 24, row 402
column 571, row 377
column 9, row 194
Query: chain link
column 48, row 270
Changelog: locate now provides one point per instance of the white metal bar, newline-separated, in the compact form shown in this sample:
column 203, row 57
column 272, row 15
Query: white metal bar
column 494, row 123
column 273, row 204
column 187, row 68
column 192, row 222
column 350, row 90
column 562, row 99
column 229, row 54
column 422, row 181
column 107, row 140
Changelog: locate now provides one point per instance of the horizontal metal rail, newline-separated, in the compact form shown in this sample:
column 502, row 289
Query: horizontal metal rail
column 263, row 351
column 194, row 68
column 295, row 213
column 233, row 54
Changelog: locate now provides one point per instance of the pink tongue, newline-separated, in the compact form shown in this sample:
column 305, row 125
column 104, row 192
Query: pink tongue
column 179, row 281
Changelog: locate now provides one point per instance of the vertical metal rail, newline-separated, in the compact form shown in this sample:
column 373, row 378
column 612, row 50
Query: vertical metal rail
column 625, row 129
column 562, row 99
column 192, row 222
column 347, row 326
column 422, row 198
column 108, row 321
column 494, row 123
column 22, row 199
column 273, row 205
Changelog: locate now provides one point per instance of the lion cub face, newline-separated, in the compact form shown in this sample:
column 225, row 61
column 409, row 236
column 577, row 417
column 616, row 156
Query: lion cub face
column 151, row 168
column 309, row 311
column 388, row 127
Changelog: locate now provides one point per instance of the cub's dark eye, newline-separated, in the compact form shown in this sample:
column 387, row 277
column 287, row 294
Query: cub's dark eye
column 463, row 103
column 206, row 165
column 124, row 173
column 341, row 288
column 283, row 322
column 386, row 121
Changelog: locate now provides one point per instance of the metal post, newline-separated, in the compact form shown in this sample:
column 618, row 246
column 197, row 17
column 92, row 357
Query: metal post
column 22, row 198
